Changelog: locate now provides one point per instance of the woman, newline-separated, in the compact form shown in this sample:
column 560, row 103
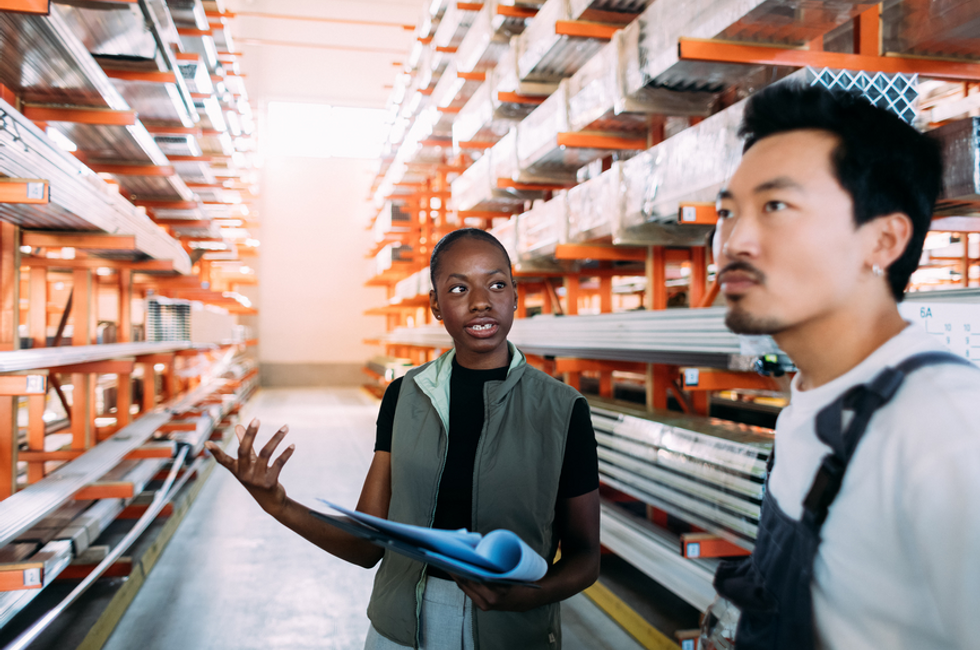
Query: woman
column 475, row 439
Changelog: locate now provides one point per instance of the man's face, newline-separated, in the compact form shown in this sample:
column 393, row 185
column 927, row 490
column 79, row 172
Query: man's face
column 787, row 248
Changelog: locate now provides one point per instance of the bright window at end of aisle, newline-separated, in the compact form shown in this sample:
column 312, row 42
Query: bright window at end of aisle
column 323, row 131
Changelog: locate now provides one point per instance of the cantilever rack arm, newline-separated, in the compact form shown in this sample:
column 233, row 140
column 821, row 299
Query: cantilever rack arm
column 185, row 93
column 22, row 510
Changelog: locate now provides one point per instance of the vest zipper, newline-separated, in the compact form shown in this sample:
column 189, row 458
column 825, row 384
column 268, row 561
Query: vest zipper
column 420, row 587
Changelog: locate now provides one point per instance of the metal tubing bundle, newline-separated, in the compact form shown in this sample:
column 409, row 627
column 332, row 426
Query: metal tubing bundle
column 83, row 200
column 683, row 336
column 78, row 354
column 960, row 142
column 696, row 337
column 545, row 55
column 660, row 73
column 705, row 471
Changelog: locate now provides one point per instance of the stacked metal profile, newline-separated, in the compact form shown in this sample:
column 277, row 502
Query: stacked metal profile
column 167, row 319
column 705, row 471
column 659, row 75
column 542, row 228
column 696, row 337
column 41, row 523
column 478, row 187
column 546, row 55
column 960, row 142
column 82, row 200
column 389, row 368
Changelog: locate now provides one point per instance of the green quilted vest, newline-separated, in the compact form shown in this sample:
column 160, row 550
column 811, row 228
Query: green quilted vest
column 515, row 486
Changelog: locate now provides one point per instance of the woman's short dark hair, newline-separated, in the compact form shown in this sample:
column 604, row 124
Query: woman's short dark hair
column 449, row 240
column 884, row 164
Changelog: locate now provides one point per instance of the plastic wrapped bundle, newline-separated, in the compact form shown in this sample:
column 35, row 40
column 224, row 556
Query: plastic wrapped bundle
column 508, row 79
column 594, row 206
column 477, row 121
column 476, row 189
column 485, row 43
column 390, row 255
column 453, row 26
column 506, row 234
column 545, row 55
column 453, row 89
column 538, row 150
column 942, row 28
column 960, row 142
column 406, row 289
column 692, row 166
column 542, row 228
column 705, row 471
column 611, row 10
column 597, row 97
column 661, row 75
column 393, row 218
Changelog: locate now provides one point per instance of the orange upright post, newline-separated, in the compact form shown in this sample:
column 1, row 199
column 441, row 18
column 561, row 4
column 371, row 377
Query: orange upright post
column 38, row 310
column 571, row 294
column 656, row 272
column 9, row 286
column 699, row 275
column 8, row 446
column 124, row 385
column 605, row 294
column 83, row 384
column 867, row 32
column 35, row 435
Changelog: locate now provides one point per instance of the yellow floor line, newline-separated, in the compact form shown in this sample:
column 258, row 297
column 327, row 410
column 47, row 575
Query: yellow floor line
column 647, row 635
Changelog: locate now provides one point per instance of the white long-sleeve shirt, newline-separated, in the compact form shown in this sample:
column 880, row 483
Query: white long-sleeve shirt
column 899, row 564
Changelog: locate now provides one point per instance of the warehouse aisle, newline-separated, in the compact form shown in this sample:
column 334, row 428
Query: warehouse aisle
column 234, row 579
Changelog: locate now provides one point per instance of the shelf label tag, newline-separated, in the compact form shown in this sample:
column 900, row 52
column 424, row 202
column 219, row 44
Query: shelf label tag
column 689, row 214
column 32, row 577
column 693, row 550
column 35, row 191
column 36, row 385
column 692, row 376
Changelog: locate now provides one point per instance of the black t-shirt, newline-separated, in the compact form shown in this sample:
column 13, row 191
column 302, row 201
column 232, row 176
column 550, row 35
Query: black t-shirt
column 580, row 466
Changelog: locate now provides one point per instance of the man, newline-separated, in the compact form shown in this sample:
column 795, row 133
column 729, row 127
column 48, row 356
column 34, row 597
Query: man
column 820, row 229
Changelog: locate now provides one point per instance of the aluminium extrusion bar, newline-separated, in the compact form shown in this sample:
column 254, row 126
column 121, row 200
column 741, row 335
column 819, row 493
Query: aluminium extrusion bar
column 22, row 510
column 83, row 201
column 78, row 354
column 656, row 554
column 162, row 496
column 171, row 60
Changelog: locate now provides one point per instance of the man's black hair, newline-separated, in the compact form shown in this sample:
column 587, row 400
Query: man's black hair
column 450, row 240
column 882, row 162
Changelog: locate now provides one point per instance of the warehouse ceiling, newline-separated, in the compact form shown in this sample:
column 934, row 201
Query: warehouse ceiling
column 317, row 60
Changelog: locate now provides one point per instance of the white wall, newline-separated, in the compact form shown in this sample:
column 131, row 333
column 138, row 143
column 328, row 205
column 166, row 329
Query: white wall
column 312, row 268
column 312, row 264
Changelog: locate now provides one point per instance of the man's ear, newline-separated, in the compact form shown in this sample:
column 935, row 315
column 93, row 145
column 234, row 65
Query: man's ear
column 891, row 235
column 434, row 305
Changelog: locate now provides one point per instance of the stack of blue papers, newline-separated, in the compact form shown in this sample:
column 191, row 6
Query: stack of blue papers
column 499, row 556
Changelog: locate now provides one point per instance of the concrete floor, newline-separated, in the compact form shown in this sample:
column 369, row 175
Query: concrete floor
column 234, row 579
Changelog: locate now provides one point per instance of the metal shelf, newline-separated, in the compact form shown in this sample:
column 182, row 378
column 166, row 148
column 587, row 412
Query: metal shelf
column 960, row 142
column 690, row 88
column 72, row 355
column 82, row 200
column 656, row 553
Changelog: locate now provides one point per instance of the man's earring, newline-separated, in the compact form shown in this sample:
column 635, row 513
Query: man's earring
column 876, row 270
column 515, row 307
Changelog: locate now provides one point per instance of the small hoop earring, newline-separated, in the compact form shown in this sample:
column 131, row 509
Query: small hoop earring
column 515, row 307
column 876, row 270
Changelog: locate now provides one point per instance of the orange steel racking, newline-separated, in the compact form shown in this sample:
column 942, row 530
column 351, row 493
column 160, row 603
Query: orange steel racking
column 540, row 288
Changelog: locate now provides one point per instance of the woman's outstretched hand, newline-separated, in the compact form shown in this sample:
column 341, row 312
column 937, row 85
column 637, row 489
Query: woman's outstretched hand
column 255, row 472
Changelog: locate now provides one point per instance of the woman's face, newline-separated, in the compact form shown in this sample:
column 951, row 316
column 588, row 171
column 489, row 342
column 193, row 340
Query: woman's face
column 474, row 296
